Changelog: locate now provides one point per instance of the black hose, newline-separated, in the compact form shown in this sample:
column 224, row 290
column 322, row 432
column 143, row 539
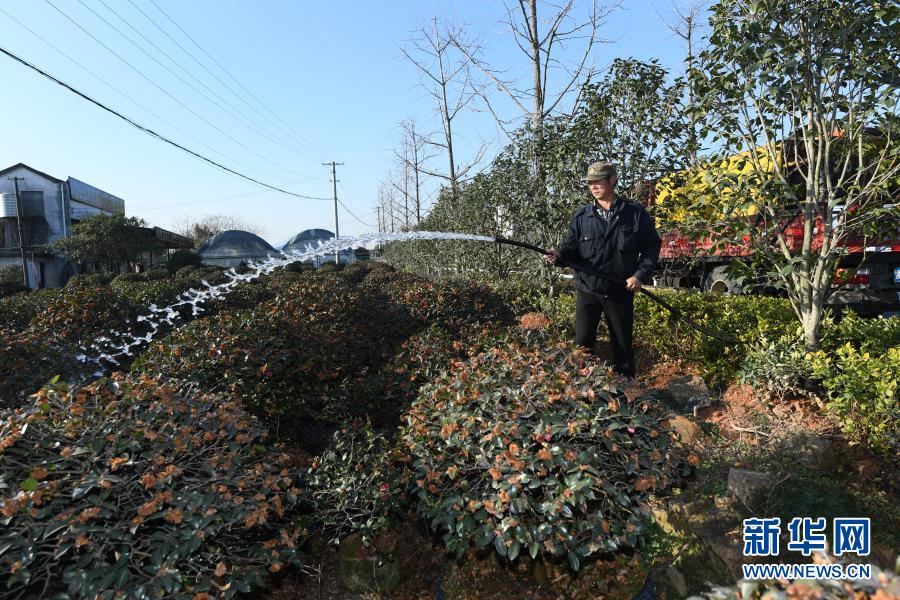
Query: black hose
column 588, row 268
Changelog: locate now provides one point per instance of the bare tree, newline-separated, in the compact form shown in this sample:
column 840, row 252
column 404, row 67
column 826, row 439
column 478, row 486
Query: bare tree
column 198, row 229
column 563, row 29
column 389, row 207
column 686, row 23
column 446, row 77
column 413, row 154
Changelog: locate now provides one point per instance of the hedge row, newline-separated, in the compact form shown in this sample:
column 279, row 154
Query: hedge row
column 42, row 332
column 125, row 489
column 329, row 346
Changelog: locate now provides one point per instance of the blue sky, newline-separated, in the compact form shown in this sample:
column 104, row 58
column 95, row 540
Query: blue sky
column 331, row 71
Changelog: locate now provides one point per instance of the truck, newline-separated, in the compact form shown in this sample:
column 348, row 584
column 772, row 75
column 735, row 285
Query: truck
column 867, row 279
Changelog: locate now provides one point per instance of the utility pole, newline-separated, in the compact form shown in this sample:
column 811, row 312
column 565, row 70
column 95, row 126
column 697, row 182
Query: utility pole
column 337, row 232
column 15, row 181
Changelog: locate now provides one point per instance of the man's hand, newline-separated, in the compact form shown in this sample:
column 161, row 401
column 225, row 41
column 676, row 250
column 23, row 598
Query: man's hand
column 633, row 284
column 552, row 256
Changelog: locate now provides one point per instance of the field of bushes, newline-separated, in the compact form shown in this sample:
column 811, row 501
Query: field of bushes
column 413, row 418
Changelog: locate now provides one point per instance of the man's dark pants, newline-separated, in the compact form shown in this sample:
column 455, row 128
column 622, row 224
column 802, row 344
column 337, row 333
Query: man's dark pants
column 619, row 313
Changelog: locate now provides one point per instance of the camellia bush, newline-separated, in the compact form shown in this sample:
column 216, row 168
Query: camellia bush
column 42, row 332
column 527, row 448
column 356, row 485
column 125, row 489
column 329, row 346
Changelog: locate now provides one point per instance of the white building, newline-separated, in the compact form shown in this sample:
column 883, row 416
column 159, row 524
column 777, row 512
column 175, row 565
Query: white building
column 50, row 207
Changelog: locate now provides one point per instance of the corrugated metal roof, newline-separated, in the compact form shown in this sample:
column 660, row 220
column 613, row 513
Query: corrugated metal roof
column 88, row 194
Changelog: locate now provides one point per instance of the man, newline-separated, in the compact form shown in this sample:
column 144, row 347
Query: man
column 618, row 237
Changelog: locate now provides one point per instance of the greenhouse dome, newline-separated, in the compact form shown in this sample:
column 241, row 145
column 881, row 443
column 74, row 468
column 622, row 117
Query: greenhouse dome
column 231, row 248
column 311, row 238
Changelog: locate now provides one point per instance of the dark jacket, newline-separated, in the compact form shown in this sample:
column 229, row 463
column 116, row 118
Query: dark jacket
column 626, row 245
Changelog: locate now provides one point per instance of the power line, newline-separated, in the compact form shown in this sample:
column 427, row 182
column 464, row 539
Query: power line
column 235, row 112
column 129, row 98
column 216, row 77
column 224, row 70
column 157, row 86
column 150, row 131
column 352, row 215
column 208, row 200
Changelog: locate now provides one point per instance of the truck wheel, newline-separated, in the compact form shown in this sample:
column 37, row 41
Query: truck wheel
column 718, row 281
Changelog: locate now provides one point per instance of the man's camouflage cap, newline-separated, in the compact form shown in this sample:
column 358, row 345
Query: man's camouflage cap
column 600, row 170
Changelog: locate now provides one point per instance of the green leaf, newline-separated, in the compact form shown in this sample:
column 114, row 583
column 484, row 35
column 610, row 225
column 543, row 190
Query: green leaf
column 514, row 550
column 573, row 561
column 30, row 484
column 500, row 546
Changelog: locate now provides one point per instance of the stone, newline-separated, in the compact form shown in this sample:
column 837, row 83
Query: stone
column 687, row 432
column 661, row 517
column 816, row 452
column 365, row 571
column 745, row 485
column 712, row 527
column 688, row 390
column 748, row 587
column 677, row 580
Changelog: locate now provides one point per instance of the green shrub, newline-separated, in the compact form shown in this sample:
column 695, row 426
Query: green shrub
column 70, row 319
column 863, row 333
column 330, row 267
column 291, row 357
column 123, row 488
column 29, row 361
column 309, row 352
column 17, row 311
column 156, row 273
column 777, row 367
column 356, row 486
column 128, row 277
column 90, row 279
column 10, row 274
column 181, row 259
column 79, row 314
column 862, row 391
column 856, row 370
column 527, row 448
column 298, row 267
column 746, row 318
column 521, row 294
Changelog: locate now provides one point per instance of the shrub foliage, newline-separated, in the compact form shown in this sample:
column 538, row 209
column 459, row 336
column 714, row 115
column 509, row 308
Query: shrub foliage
column 123, row 488
column 325, row 346
column 525, row 448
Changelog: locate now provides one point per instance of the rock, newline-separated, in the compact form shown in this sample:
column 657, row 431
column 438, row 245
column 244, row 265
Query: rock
column 687, row 432
column 690, row 389
column 817, row 452
column 362, row 571
column 745, row 485
column 712, row 527
column 748, row 588
column 661, row 517
column 677, row 580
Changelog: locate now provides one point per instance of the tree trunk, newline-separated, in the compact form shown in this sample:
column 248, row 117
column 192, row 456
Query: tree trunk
column 811, row 319
column 537, row 118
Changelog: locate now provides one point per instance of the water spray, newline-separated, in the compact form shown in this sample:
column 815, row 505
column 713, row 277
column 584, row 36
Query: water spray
column 589, row 268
